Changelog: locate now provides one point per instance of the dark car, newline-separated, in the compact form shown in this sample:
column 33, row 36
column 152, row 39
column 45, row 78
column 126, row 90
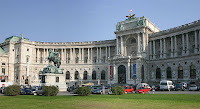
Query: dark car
column 198, row 86
column 71, row 89
column 157, row 87
column 26, row 91
column 179, row 87
column 2, row 89
column 99, row 90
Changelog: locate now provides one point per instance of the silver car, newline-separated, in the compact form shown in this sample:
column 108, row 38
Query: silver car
column 192, row 87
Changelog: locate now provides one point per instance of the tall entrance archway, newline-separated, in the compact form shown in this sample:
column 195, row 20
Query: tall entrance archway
column 122, row 74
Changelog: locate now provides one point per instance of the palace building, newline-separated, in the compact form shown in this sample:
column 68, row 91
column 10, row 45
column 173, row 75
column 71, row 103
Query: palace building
column 140, row 53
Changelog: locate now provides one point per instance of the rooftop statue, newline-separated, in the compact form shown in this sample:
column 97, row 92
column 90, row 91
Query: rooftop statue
column 53, row 57
column 130, row 16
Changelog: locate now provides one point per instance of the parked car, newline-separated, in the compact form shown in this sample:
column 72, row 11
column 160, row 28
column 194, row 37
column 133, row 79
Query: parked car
column 128, row 89
column 71, row 89
column 192, row 87
column 99, row 90
column 39, row 91
column 155, row 87
column 143, row 85
column 142, row 90
column 26, row 91
column 184, row 84
column 166, row 85
column 2, row 89
column 198, row 86
column 179, row 87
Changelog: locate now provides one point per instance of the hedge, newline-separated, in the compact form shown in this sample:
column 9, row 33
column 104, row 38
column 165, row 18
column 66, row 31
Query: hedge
column 50, row 90
column 83, row 91
column 118, row 90
column 12, row 90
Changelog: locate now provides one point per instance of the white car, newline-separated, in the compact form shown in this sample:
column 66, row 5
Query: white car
column 192, row 87
column 166, row 85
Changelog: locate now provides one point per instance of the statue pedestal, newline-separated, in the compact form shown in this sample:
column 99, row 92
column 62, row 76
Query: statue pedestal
column 55, row 80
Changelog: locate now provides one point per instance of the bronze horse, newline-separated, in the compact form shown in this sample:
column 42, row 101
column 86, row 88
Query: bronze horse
column 53, row 57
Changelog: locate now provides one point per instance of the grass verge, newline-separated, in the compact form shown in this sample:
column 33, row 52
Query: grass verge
column 150, row 101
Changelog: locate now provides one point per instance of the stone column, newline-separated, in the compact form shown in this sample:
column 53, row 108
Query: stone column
column 79, row 55
column 138, row 43
column 47, row 54
column 122, row 49
column 196, row 47
column 164, row 47
column 100, row 54
column 91, row 56
column 175, row 45
column 128, row 75
column 97, row 56
column 38, row 55
column 150, row 49
column 62, row 55
column 65, row 57
column 183, row 43
column 106, row 54
column 143, row 42
column 161, row 48
column 109, row 52
column 114, row 72
column 172, row 47
column 187, row 42
column 88, row 55
column 74, row 55
column 44, row 55
column 199, row 41
column 83, row 56
column 117, row 45
column 154, row 49
column 71, row 56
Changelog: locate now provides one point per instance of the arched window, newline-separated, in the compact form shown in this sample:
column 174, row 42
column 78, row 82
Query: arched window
column 85, row 75
column 76, row 75
column 180, row 72
column 103, row 75
column 158, row 73
column 169, row 73
column 94, row 75
column 192, row 72
column 67, row 75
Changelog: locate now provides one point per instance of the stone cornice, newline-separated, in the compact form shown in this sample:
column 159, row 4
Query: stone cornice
column 176, row 29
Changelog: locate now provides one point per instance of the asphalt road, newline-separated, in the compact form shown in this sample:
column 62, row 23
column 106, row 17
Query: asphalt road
column 156, row 92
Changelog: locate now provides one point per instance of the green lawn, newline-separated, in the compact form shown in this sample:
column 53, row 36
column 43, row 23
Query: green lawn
column 128, row 101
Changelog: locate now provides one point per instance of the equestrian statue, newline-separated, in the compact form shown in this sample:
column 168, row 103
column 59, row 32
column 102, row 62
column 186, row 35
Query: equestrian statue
column 55, row 68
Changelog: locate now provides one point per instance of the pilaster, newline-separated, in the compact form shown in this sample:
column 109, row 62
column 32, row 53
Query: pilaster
column 164, row 47
column 196, row 47
column 172, row 47
column 175, row 45
column 188, row 46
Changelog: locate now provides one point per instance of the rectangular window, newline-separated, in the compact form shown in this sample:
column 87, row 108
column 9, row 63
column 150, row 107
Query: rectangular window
column 3, row 63
column 43, row 79
column 3, row 71
column 57, row 79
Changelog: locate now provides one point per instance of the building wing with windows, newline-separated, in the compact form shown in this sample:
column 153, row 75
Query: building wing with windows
column 140, row 53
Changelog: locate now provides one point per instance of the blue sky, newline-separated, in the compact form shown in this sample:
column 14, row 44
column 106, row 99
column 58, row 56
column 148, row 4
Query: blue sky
column 87, row 20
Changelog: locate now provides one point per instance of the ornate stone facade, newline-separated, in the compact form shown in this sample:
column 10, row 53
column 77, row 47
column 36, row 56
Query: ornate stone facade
column 140, row 53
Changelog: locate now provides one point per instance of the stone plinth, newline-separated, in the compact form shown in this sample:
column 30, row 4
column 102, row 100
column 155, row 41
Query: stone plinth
column 56, row 80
